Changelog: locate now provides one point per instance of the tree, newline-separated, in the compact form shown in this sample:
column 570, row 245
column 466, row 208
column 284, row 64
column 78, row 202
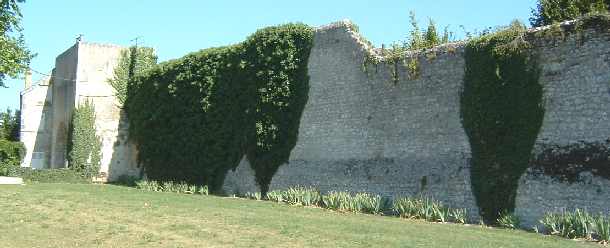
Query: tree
column 14, row 55
column 551, row 11
column 10, row 123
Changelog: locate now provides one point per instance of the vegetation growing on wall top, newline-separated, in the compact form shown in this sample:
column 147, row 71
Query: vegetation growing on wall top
column 502, row 112
column 84, row 146
column 195, row 118
column 418, row 39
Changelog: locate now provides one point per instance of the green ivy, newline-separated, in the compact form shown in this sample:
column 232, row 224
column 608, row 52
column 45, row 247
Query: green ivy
column 502, row 112
column 84, row 148
column 132, row 62
column 194, row 118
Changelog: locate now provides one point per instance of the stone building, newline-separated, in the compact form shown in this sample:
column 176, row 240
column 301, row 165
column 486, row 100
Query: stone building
column 81, row 74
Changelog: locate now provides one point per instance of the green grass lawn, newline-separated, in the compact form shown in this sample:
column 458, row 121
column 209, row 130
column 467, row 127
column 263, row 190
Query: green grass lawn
column 62, row 215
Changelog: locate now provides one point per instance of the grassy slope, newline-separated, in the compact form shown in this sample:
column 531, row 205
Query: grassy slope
column 57, row 215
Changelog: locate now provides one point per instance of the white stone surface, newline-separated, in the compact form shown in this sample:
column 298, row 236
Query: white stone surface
column 11, row 180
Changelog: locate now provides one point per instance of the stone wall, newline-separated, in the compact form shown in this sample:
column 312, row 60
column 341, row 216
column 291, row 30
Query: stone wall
column 96, row 64
column 81, row 74
column 362, row 132
column 576, row 80
column 35, row 131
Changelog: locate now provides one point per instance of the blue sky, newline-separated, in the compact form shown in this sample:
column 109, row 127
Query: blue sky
column 175, row 28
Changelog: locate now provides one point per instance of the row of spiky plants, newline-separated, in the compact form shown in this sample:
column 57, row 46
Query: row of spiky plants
column 419, row 208
column 182, row 188
column 334, row 200
column 427, row 209
column 577, row 224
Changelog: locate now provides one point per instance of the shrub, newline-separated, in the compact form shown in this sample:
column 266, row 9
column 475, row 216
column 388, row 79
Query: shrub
column 370, row 204
column 276, row 196
column 458, row 215
column 54, row 176
column 149, row 186
column 509, row 220
column 571, row 225
column 602, row 228
column 127, row 180
column 335, row 200
column 11, row 154
column 182, row 187
column 253, row 196
column 421, row 208
column 305, row 196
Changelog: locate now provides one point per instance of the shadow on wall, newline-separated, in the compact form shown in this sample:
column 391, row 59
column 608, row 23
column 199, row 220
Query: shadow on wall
column 40, row 156
column 123, row 163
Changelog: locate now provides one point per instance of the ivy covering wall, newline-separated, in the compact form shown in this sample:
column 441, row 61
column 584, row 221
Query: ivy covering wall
column 84, row 146
column 196, row 117
column 502, row 112
column 133, row 61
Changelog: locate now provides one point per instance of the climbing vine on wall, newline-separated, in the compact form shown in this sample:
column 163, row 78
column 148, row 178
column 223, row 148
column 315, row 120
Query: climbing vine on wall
column 85, row 147
column 194, row 118
column 132, row 62
column 502, row 112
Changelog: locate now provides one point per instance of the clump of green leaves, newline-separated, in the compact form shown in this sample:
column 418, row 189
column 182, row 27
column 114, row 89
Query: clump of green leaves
column 422, row 39
column 85, row 147
column 304, row 196
column 423, row 208
column 10, row 122
column 11, row 154
column 14, row 55
column 502, row 112
column 548, row 12
column 417, row 40
column 571, row 225
column 53, row 176
column 180, row 187
column 508, row 220
column 602, row 228
column 233, row 101
column 132, row 62
column 427, row 209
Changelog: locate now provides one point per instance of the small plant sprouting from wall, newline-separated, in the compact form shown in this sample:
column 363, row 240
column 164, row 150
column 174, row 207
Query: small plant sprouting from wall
column 132, row 62
column 502, row 112
column 418, row 40
column 566, row 163
column 85, row 147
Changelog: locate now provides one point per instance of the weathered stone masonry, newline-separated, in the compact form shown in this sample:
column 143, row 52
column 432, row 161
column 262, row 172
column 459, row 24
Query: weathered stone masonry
column 362, row 132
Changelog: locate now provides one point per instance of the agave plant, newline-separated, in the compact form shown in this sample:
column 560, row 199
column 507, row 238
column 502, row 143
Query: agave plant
column 602, row 228
column 508, row 220
column 275, row 196
column 571, row 225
